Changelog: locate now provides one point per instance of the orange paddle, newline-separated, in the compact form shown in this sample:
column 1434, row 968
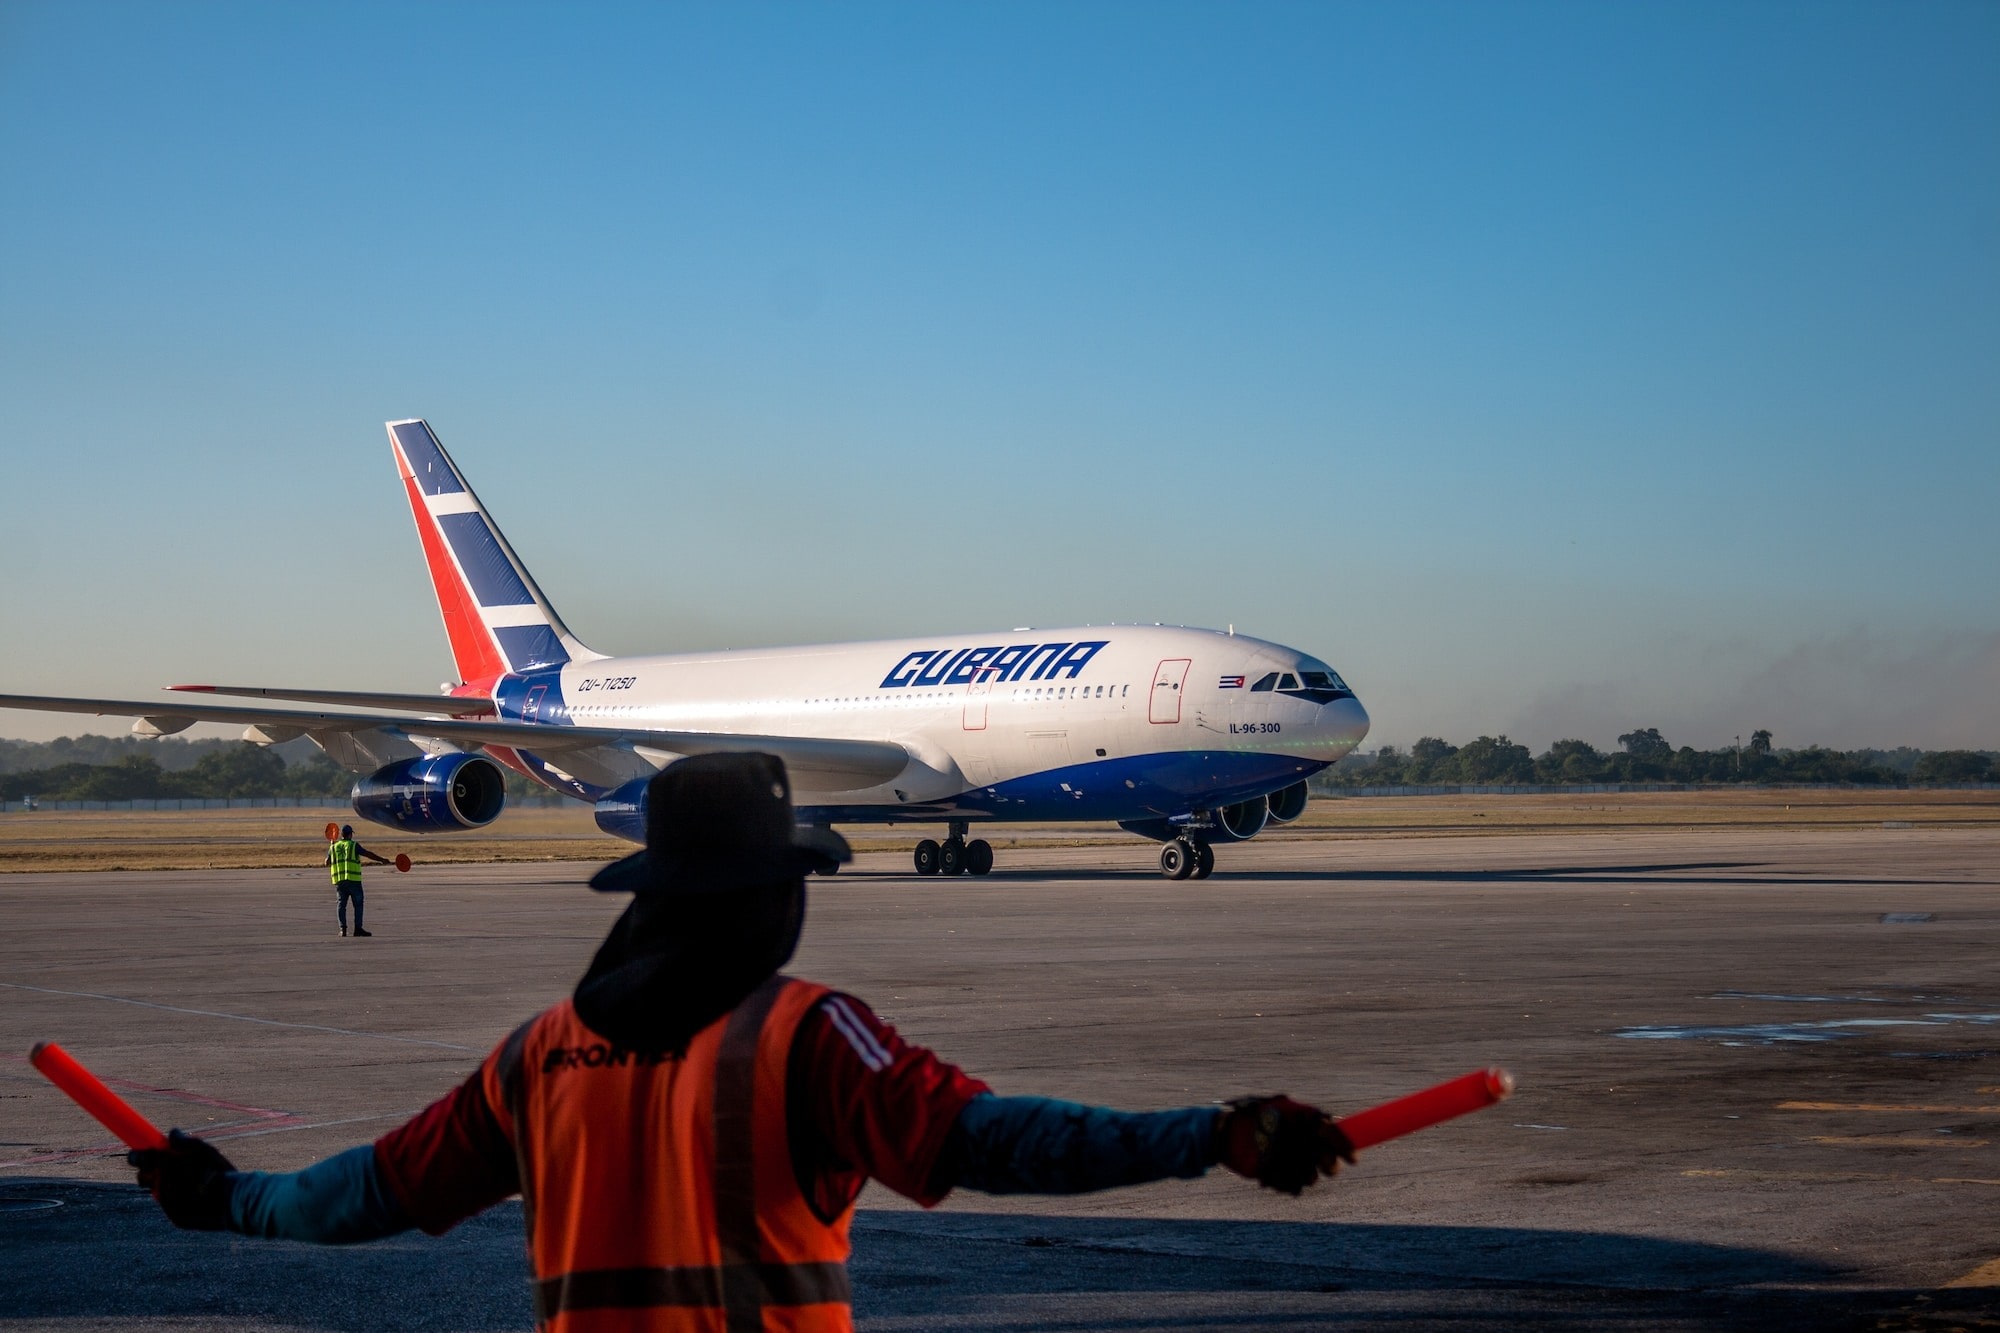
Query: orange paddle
column 104, row 1106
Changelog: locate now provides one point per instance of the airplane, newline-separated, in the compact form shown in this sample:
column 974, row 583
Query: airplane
column 1188, row 737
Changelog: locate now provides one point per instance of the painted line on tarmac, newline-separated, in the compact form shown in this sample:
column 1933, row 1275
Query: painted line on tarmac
column 256, row 1113
column 119, row 1149
column 247, row 1018
column 174, row 1094
column 1883, row 1141
column 1735, row 1173
column 1876, row 1106
column 262, row 1130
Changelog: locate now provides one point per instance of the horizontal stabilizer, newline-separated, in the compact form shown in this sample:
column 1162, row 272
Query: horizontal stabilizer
column 457, row 705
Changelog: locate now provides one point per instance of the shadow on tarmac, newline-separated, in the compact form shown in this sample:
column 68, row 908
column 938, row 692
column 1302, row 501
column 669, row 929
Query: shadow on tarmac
column 1536, row 875
column 105, row 1257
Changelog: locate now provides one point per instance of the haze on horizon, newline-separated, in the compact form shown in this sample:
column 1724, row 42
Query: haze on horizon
column 1552, row 370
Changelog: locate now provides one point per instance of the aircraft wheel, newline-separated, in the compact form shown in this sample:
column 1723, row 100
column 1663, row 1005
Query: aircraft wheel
column 978, row 857
column 1177, row 860
column 830, row 868
column 927, row 857
column 1204, row 860
column 951, row 857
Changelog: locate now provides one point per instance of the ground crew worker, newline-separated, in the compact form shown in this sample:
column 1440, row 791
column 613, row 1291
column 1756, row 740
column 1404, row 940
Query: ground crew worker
column 343, row 858
column 688, row 1132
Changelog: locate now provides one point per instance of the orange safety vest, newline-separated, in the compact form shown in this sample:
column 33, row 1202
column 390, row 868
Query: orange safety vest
column 658, row 1192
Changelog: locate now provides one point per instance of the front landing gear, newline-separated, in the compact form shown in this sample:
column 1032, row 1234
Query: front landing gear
column 954, row 856
column 1184, row 858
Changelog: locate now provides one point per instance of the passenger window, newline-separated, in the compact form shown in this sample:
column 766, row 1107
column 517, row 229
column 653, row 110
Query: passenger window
column 1288, row 681
column 1265, row 684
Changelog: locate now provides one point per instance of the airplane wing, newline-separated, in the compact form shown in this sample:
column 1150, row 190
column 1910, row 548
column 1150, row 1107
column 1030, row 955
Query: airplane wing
column 455, row 704
column 816, row 762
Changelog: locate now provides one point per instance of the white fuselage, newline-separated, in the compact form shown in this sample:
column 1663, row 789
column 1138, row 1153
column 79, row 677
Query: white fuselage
column 1119, row 722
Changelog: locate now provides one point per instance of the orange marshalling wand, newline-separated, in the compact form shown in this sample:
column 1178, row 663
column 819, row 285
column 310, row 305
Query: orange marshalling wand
column 1420, row 1110
column 1364, row 1129
column 105, row 1106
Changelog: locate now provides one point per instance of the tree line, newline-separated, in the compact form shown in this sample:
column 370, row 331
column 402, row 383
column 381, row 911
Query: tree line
column 1646, row 756
column 126, row 768
column 234, row 769
column 174, row 753
column 223, row 769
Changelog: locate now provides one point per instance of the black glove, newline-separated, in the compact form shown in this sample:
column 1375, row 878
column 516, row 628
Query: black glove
column 189, row 1179
column 1281, row 1143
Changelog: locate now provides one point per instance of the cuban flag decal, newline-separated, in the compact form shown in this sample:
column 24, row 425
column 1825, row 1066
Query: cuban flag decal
column 1232, row 682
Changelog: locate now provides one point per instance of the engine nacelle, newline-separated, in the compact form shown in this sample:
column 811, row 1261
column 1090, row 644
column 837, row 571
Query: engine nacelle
column 1290, row 803
column 445, row 793
column 1232, row 823
column 1240, row 822
column 622, row 814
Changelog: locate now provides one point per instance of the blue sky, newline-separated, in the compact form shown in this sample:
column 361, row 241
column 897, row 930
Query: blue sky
column 1551, row 369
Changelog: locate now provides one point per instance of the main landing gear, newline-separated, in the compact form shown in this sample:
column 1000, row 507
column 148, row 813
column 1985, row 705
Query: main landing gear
column 955, row 856
column 1186, row 858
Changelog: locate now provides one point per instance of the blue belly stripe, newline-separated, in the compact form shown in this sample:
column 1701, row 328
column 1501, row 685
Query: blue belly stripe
column 1140, row 787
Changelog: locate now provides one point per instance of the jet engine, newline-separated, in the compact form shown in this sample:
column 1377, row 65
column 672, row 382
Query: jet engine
column 1240, row 822
column 1232, row 823
column 622, row 814
column 445, row 793
column 1290, row 803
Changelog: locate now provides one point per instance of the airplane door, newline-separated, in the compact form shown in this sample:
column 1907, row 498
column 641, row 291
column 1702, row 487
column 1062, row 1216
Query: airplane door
column 533, row 704
column 1168, row 681
column 976, row 694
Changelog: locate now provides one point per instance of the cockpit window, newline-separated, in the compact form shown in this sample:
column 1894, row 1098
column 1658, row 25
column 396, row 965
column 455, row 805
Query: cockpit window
column 1322, row 680
column 1288, row 681
column 1265, row 685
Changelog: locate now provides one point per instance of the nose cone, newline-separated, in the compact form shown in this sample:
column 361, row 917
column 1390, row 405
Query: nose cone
column 1342, row 725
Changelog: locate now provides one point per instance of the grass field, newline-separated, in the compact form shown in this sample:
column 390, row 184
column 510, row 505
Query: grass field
column 242, row 839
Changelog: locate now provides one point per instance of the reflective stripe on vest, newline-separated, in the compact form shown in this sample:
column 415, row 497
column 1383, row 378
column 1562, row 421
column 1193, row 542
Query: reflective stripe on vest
column 661, row 1188
column 346, row 863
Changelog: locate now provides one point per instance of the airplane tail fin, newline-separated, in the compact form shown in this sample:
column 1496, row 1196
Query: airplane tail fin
column 498, row 621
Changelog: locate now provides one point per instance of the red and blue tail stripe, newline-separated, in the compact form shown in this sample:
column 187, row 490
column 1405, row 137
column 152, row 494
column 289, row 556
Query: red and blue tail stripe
column 498, row 622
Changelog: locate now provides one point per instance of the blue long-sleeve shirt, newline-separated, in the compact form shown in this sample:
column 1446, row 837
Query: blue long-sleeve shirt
column 341, row 1201
column 1036, row 1145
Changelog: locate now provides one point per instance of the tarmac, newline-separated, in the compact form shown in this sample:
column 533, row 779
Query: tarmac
column 1759, row 1078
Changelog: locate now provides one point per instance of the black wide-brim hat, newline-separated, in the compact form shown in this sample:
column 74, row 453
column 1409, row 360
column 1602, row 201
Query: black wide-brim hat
column 716, row 822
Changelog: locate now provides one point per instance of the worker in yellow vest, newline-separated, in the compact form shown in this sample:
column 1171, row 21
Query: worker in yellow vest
column 343, row 859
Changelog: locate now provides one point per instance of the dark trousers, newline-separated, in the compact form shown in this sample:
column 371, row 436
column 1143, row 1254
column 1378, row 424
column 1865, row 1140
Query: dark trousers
column 350, row 890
